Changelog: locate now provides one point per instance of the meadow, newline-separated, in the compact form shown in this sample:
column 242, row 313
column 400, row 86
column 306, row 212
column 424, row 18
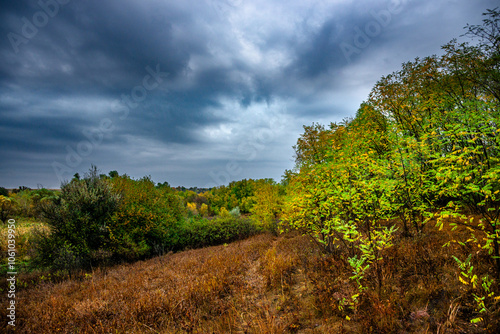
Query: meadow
column 263, row 284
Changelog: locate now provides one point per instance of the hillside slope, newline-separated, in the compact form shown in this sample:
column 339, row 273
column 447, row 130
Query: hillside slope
column 264, row 284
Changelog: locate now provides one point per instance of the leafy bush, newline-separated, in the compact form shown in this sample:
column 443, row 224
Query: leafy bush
column 7, row 208
column 146, row 220
column 99, row 219
column 30, row 202
column 196, row 233
column 78, row 222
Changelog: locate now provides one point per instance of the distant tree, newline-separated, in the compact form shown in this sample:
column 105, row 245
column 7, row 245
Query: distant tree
column 76, row 176
column 113, row 174
column 163, row 185
column 4, row 192
column 7, row 208
column 192, row 208
column 203, row 211
column 21, row 188
column 267, row 204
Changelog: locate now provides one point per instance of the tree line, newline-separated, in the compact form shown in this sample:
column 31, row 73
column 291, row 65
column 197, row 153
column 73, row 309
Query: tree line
column 423, row 148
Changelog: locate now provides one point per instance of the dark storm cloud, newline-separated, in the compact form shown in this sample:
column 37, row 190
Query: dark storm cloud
column 186, row 87
column 37, row 134
column 321, row 54
column 172, row 118
column 348, row 35
column 95, row 45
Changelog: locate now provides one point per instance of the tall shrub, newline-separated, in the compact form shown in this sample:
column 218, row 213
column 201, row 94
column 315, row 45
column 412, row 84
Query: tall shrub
column 147, row 220
column 78, row 220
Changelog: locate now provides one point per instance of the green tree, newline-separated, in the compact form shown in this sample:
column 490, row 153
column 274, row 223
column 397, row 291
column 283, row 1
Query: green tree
column 4, row 192
column 340, row 202
column 312, row 146
column 113, row 174
column 78, row 219
column 267, row 205
column 146, row 221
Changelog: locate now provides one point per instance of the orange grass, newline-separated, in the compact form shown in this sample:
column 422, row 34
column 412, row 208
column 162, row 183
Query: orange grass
column 264, row 284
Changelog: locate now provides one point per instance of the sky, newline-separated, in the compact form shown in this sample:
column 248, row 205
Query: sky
column 195, row 93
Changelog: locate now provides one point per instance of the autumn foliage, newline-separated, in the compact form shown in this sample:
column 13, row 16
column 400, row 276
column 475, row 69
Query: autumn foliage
column 422, row 149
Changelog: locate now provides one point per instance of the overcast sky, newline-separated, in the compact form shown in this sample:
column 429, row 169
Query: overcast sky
column 196, row 93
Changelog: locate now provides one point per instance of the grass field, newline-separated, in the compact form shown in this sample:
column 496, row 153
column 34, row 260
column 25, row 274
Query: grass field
column 264, row 284
column 25, row 231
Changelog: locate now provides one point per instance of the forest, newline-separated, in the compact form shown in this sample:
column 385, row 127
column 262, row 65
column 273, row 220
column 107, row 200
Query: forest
column 388, row 223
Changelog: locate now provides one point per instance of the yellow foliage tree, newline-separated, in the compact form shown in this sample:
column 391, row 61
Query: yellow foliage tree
column 192, row 208
column 267, row 207
column 223, row 212
column 203, row 210
column 7, row 207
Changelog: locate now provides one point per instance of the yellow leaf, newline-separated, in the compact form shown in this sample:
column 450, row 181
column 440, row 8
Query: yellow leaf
column 462, row 280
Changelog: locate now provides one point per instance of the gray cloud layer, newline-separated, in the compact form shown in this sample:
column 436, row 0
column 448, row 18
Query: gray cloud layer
column 194, row 92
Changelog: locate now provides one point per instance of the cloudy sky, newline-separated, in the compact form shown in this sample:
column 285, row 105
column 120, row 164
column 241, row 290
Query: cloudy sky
column 196, row 92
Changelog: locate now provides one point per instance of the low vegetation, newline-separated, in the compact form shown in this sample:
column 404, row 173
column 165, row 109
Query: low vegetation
column 265, row 284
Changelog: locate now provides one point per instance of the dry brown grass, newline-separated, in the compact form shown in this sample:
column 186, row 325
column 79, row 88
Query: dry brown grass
column 261, row 285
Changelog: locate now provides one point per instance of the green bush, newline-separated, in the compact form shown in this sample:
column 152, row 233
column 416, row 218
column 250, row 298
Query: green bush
column 97, row 219
column 197, row 233
column 30, row 202
column 78, row 222
column 100, row 219
column 146, row 219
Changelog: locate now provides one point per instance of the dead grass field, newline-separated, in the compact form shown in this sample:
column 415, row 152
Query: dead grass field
column 264, row 284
